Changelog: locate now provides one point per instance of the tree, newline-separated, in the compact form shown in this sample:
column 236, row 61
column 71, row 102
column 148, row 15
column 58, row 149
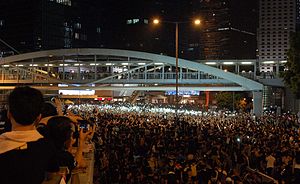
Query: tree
column 291, row 75
column 225, row 100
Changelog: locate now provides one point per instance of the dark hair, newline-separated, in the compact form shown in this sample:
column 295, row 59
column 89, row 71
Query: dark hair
column 25, row 104
column 49, row 109
column 60, row 130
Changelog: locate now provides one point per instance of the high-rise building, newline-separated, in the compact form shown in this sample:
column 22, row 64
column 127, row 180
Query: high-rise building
column 297, row 15
column 48, row 24
column 227, row 30
column 277, row 19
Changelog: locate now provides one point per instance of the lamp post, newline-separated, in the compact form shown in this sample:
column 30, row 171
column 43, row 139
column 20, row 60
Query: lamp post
column 196, row 22
column 176, row 72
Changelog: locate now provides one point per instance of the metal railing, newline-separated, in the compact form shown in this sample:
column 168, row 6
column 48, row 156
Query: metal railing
column 257, row 177
column 33, row 74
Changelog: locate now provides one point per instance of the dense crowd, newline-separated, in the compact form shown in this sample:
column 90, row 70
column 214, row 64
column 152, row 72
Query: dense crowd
column 144, row 144
column 148, row 146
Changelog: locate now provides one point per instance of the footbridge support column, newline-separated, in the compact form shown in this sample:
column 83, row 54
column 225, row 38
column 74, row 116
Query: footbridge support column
column 258, row 103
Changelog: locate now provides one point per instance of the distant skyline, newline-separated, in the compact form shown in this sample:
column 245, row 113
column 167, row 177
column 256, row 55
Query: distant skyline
column 245, row 18
column 45, row 24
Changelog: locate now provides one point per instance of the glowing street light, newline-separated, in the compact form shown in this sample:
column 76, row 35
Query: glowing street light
column 156, row 21
column 197, row 22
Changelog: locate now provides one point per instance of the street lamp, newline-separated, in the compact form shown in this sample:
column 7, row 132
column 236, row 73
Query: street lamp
column 196, row 22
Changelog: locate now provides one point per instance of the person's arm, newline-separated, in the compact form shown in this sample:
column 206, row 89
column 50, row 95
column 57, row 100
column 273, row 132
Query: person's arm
column 78, row 155
column 79, row 158
column 58, row 105
column 91, row 132
column 74, row 117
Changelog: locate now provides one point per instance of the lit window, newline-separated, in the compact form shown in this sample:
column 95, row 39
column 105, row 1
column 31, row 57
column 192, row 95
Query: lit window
column 64, row 2
column 134, row 21
column 1, row 22
column 78, row 25
column 98, row 30
column 76, row 35
column 129, row 21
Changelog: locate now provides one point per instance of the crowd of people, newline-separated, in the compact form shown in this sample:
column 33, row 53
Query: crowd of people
column 40, row 144
column 137, row 145
column 145, row 144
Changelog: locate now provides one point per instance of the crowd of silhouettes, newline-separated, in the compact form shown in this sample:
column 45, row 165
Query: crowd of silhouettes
column 136, row 147
column 43, row 142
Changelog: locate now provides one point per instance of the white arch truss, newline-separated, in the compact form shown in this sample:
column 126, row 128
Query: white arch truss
column 244, row 83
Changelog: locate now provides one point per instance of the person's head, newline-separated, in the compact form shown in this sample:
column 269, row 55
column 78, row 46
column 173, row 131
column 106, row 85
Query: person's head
column 49, row 109
column 25, row 105
column 229, row 180
column 61, row 130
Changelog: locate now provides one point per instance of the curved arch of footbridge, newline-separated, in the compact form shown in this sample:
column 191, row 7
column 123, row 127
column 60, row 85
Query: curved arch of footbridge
column 221, row 76
column 145, row 71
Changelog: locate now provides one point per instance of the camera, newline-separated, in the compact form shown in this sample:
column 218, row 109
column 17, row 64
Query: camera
column 84, row 124
column 84, row 127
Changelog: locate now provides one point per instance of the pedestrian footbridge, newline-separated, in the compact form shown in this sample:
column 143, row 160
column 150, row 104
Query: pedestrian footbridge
column 111, row 69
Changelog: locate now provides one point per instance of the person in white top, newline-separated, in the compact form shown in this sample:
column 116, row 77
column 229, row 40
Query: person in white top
column 270, row 164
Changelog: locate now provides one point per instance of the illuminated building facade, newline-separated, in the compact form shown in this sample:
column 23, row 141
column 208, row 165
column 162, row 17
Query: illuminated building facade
column 277, row 19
